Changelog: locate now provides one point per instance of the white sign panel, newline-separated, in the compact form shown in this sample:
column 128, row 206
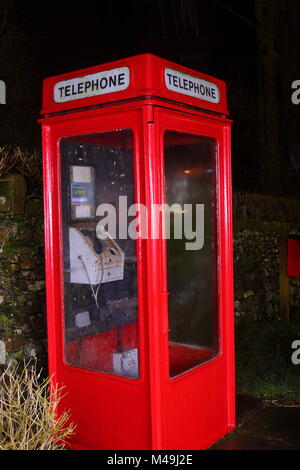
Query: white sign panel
column 94, row 84
column 192, row 86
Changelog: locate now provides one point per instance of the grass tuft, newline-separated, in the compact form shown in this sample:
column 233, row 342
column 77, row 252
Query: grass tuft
column 263, row 360
column 27, row 415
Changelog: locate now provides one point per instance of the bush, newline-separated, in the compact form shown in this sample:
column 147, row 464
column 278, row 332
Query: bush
column 14, row 159
column 27, row 415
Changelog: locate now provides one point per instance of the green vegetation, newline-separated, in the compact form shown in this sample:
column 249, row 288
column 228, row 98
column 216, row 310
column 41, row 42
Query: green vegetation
column 263, row 360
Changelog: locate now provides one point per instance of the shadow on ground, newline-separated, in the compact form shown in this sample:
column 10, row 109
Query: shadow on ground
column 262, row 427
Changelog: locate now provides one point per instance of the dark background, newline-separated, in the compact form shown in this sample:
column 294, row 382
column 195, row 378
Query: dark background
column 253, row 45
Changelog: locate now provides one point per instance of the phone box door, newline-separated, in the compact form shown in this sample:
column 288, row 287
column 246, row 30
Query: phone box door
column 95, row 297
column 196, row 377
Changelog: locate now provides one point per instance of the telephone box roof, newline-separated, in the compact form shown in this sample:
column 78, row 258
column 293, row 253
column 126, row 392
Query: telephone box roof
column 140, row 76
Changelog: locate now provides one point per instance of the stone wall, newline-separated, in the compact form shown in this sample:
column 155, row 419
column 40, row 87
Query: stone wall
column 260, row 222
column 256, row 261
column 22, row 285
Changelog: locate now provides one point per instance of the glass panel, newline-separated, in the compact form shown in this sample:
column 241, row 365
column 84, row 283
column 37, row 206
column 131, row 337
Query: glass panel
column 100, row 275
column 192, row 256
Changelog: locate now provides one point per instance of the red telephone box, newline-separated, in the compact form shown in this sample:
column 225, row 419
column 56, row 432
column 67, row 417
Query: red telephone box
column 137, row 191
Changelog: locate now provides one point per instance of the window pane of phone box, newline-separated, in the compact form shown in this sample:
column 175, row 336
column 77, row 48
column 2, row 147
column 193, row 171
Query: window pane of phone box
column 100, row 272
column 192, row 257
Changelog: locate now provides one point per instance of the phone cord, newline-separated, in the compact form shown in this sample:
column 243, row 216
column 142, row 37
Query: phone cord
column 94, row 291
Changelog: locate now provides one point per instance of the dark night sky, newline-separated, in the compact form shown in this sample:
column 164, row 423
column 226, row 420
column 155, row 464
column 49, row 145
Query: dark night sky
column 217, row 37
column 71, row 35
column 210, row 38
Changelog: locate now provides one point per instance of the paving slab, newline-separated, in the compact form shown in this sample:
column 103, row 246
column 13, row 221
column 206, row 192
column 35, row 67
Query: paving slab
column 247, row 407
column 263, row 427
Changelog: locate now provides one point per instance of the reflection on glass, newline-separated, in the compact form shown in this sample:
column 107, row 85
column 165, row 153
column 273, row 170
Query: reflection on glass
column 100, row 276
column 192, row 274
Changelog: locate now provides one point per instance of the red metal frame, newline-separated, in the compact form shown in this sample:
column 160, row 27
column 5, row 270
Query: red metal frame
column 154, row 412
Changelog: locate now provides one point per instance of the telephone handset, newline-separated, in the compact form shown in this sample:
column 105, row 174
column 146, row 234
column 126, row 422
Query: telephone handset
column 103, row 258
column 94, row 261
column 97, row 243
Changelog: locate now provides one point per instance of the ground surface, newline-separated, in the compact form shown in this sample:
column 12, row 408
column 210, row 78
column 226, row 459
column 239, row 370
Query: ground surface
column 261, row 426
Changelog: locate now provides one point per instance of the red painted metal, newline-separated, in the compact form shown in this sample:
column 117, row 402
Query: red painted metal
column 195, row 397
column 196, row 408
column 293, row 257
column 146, row 79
